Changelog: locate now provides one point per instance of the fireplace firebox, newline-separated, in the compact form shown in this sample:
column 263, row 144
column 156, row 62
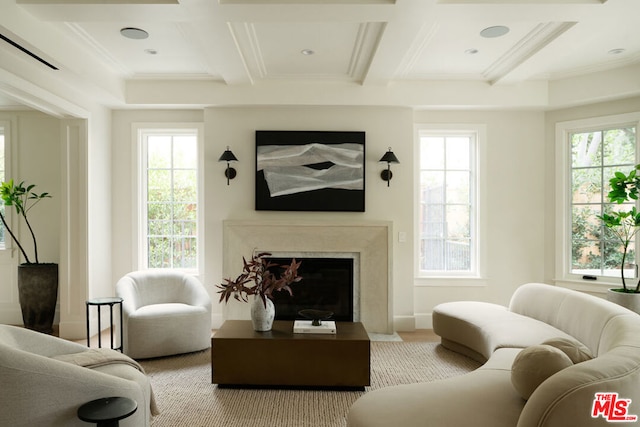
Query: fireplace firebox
column 327, row 284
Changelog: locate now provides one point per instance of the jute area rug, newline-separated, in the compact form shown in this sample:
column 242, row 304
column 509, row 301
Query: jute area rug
column 186, row 397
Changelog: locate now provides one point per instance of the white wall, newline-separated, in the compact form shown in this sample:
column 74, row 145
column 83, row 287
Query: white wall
column 513, row 204
column 38, row 154
column 85, row 268
column 100, row 201
column 384, row 127
column 35, row 159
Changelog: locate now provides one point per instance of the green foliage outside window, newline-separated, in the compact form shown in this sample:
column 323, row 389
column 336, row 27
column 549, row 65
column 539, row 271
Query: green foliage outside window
column 2, row 210
column 172, row 201
column 596, row 156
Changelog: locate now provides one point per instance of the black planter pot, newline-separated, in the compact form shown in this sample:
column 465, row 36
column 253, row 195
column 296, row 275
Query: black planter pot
column 38, row 293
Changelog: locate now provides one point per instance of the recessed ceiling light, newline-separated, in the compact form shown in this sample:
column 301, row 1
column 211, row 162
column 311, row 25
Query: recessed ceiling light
column 307, row 52
column 497, row 31
column 617, row 51
column 134, row 33
column 471, row 51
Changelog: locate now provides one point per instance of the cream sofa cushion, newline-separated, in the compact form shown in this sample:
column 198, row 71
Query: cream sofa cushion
column 576, row 351
column 535, row 364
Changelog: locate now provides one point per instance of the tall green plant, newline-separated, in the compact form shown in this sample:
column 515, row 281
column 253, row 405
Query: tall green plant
column 624, row 224
column 23, row 199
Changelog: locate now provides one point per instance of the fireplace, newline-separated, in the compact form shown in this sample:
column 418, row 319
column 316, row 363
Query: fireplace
column 328, row 283
column 368, row 241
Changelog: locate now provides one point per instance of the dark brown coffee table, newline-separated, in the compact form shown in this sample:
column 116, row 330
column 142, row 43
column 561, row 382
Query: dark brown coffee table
column 241, row 356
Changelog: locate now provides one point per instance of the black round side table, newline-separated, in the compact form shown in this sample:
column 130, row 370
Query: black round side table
column 107, row 412
column 99, row 302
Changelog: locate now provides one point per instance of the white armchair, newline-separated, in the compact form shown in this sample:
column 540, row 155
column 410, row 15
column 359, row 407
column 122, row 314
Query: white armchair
column 165, row 312
column 37, row 389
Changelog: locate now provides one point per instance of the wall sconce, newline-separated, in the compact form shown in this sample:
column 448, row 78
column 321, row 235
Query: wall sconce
column 388, row 157
column 228, row 156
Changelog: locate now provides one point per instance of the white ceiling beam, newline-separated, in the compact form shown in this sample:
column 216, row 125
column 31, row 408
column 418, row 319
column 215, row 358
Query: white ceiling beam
column 403, row 28
column 307, row 2
column 79, row 71
column 38, row 98
column 528, row 11
column 503, row 2
column 101, row 11
column 437, row 95
column 539, row 38
column 605, row 85
column 324, row 12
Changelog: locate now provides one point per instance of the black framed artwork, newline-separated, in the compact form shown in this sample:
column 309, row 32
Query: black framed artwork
column 310, row 171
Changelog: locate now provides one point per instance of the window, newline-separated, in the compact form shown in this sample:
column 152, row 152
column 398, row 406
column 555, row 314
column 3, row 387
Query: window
column 4, row 132
column 447, row 215
column 169, row 198
column 591, row 151
column 595, row 156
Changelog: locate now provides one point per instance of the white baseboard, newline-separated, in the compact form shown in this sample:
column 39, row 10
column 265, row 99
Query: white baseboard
column 424, row 321
column 12, row 316
column 404, row 323
column 74, row 330
column 217, row 319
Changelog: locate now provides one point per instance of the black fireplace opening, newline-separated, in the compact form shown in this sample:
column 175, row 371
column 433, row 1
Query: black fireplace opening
column 327, row 284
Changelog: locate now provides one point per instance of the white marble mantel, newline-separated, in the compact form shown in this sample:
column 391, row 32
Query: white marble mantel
column 370, row 239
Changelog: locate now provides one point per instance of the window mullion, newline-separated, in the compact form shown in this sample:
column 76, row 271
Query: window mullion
column 451, row 251
column 614, row 153
column 173, row 166
column 602, row 203
column 172, row 204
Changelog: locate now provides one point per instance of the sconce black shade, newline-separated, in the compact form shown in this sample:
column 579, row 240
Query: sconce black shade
column 228, row 156
column 389, row 158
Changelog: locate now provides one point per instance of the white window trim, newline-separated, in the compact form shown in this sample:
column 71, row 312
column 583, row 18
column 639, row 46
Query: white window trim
column 563, row 195
column 139, row 245
column 10, row 138
column 477, row 277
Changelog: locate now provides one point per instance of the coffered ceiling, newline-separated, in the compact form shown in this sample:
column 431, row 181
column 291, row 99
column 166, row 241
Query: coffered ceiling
column 231, row 50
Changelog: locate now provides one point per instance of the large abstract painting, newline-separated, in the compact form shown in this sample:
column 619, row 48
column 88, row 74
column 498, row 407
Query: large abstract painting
column 310, row 171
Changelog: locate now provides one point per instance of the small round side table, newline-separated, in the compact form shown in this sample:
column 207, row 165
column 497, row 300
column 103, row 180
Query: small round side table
column 99, row 302
column 108, row 411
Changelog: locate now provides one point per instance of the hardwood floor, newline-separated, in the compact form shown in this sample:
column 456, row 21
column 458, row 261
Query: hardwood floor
column 423, row 335
column 419, row 335
column 105, row 336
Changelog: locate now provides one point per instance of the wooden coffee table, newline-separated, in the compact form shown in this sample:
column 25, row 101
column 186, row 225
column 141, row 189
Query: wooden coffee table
column 241, row 356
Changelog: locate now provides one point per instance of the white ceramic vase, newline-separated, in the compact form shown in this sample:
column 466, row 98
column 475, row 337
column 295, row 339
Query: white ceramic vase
column 261, row 316
column 627, row 300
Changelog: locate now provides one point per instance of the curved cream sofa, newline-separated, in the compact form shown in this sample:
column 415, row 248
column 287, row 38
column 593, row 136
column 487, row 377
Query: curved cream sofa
column 39, row 388
column 495, row 335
